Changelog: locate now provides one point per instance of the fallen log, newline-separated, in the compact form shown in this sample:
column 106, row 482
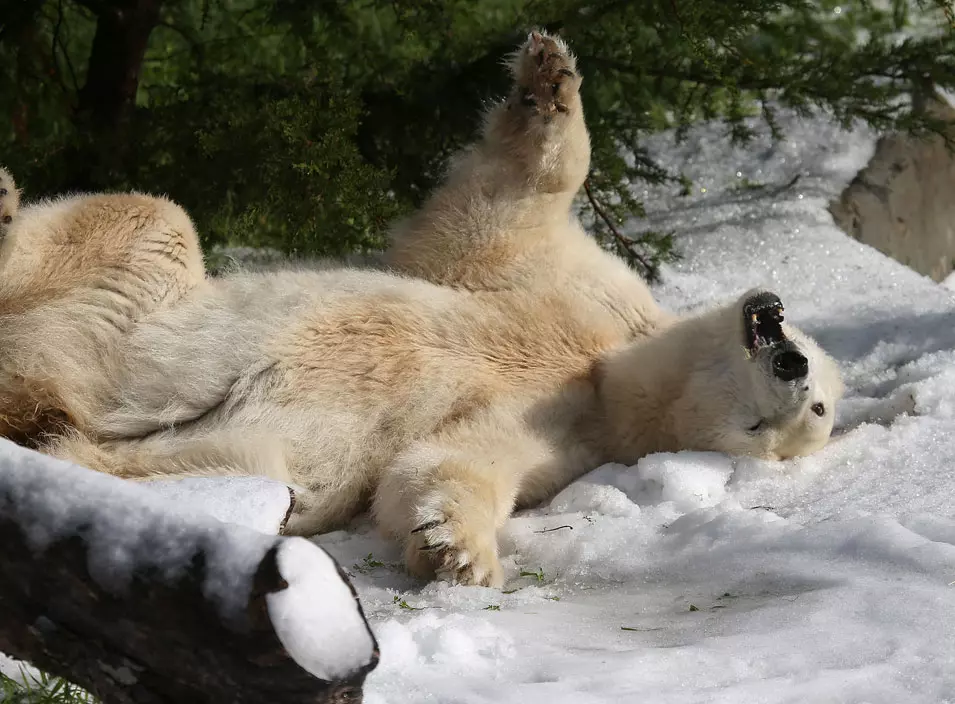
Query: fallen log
column 137, row 601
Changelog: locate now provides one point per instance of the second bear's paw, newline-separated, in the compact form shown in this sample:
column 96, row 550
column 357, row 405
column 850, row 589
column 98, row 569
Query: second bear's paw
column 9, row 198
column 546, row 75
column 455, row 547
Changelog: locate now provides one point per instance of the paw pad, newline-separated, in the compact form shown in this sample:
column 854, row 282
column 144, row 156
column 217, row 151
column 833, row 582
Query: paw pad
column 546, row 75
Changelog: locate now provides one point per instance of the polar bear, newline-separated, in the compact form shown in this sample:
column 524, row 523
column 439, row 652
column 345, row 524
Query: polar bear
column 499, row 355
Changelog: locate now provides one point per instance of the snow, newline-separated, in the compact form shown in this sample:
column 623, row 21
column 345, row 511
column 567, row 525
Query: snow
column 131, row 529
column 21, row 672
column 309, row 619
column 697, row 577
column 255, row 502
column 43, row 687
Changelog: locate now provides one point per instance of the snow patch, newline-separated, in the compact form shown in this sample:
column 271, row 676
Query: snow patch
column 254, row 502
column 317, row 617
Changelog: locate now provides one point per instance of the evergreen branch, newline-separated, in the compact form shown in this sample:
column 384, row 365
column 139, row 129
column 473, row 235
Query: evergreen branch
column 949, row 13
column 688, row 76
column 679, row 19
column 622, row 240
column 57, row 44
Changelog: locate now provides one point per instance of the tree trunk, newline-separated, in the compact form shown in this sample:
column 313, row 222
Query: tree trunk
column 106, row 101
column 116, row 58
column 109, row 609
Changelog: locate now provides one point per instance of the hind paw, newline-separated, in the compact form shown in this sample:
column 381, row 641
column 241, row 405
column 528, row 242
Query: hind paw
column 9, row 198
column 455, row 548
column 545, row 74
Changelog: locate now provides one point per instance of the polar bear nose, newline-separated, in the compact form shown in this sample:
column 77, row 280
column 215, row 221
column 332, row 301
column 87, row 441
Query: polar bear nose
column 790, row 365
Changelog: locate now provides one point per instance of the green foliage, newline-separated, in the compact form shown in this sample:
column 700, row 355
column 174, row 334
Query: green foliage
column 44, row 690
column 402, row 604
column 370, row 564
column 281, row 166
column 308, row 126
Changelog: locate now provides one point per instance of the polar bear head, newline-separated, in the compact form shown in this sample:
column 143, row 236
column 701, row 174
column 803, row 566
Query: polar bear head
column 736, row 379
column 770, row 391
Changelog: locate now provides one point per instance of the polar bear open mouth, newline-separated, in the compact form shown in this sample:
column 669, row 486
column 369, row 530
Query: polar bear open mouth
column 762, row 321
column 763, row 324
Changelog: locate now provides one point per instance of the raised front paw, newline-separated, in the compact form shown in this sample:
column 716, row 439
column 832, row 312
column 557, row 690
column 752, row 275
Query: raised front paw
column 9, row 198
column 454, row 546
column 545, row 73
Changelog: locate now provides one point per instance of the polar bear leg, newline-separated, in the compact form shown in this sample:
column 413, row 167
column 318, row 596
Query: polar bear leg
column 120, row 255
column 220, row 453
column 538, row 133
column 75, row 272
column 446, row 497
column 224, row 452
column 513, row 189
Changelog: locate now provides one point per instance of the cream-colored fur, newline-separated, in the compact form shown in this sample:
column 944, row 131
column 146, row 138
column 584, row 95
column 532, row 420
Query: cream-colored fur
column 503, row 356
column 76, row 274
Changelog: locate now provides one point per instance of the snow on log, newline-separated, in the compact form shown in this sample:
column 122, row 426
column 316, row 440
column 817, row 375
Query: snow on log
column 138, row 599
column 256, row 502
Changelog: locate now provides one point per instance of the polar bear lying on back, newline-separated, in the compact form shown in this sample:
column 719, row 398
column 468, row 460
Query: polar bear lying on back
column 510, row 355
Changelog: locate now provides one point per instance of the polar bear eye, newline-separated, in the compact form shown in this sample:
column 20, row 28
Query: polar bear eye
column 755, row 427
column 819, row 409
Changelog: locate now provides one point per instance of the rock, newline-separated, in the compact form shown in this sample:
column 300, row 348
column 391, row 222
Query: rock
column 903, row 202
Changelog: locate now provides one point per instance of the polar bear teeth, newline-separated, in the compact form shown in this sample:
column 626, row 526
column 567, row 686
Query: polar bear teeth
column 763, row 317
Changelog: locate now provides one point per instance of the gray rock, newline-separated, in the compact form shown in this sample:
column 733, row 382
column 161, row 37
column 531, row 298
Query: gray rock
column 903, row 202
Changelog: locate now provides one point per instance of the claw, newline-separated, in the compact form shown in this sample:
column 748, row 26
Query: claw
column 428, row 526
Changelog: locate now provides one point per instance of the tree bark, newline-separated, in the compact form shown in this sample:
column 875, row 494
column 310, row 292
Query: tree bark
column 116, row 59
column 164, row 638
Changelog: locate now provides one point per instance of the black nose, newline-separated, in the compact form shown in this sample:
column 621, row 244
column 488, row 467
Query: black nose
column 790, row 365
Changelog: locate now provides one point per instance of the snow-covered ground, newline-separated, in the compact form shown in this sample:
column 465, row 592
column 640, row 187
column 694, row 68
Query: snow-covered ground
column 697, row 577
column 701, row 578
